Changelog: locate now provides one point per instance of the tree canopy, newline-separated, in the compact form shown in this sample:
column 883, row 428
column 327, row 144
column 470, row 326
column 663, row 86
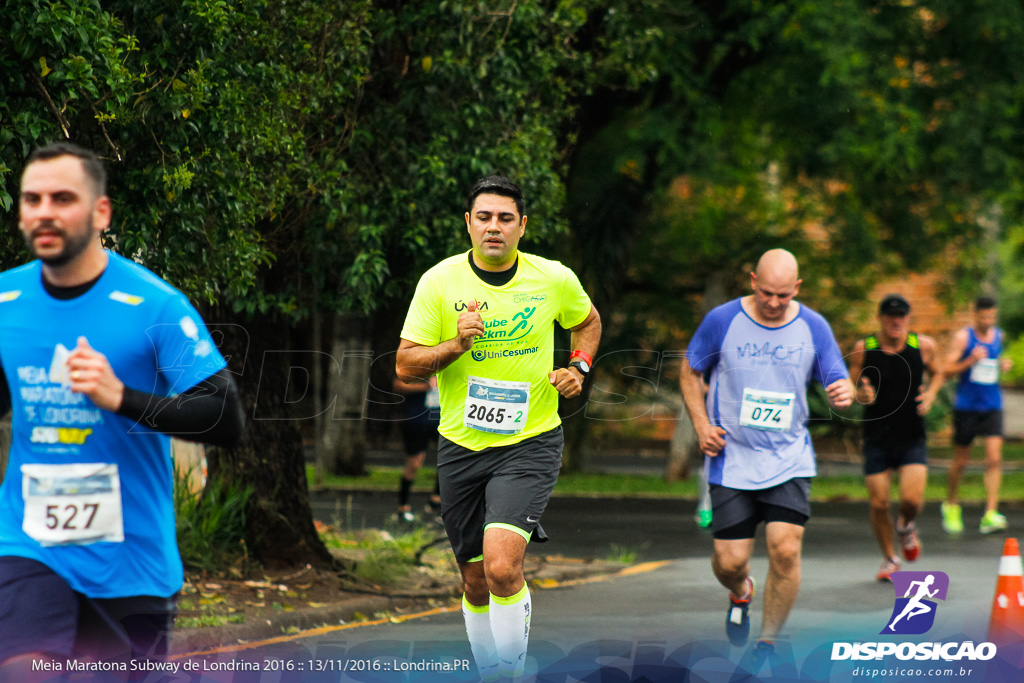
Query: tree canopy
column 279, row 159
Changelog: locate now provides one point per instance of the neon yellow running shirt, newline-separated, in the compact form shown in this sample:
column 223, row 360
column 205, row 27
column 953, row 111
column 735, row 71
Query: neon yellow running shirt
column 510, row 398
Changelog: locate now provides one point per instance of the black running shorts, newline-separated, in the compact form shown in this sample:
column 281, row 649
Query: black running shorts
column 969, row 424
column 505, row 485
column 40, row 613
column 882, row 457
column 737, row 512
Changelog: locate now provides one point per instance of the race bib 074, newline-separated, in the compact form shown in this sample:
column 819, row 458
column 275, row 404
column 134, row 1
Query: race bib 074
column 771, row 410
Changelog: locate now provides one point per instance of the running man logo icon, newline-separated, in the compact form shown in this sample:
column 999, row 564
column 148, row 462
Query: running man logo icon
column 914, row 612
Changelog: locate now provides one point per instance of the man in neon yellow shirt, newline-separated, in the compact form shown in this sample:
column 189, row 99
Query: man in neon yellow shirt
column 483, row 322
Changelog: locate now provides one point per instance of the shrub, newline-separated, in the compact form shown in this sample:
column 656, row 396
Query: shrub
column 211, row 526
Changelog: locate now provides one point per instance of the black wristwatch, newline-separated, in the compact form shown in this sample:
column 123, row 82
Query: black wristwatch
column 580, row 365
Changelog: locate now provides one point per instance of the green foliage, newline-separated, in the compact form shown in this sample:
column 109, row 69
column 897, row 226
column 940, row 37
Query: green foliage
column 63, row 73
column 211, row 525
column 1014, row 350
column 826, row 421
column 460, row 89
column 286, row 155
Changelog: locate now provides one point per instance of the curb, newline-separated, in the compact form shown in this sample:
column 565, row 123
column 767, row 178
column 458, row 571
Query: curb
column 549, row 574
column 196, row 640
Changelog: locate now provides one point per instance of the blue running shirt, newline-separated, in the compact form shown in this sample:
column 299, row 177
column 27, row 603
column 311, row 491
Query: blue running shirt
column 978, row 387
column 98, row 485
column 759, row 377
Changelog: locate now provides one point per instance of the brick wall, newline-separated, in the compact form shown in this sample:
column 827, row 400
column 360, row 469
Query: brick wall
column 927, row 314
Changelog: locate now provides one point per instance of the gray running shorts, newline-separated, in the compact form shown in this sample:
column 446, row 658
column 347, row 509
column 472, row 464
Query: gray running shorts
column 500, row 485
column 737, row 512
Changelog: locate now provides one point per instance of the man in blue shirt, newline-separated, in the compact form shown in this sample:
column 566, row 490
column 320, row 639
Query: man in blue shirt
column 100, row 360
column 977, row 412
column 762, row 349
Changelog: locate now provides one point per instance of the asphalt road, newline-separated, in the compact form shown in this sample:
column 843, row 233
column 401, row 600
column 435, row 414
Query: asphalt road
column 666, row 622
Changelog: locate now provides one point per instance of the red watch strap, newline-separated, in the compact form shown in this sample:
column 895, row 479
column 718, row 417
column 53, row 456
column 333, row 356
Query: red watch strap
column 582, row 354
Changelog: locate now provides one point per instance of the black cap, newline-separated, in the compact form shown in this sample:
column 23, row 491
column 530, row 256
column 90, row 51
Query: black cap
column 894, row 304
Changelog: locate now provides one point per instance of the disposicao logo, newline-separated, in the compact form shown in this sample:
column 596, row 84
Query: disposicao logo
column 914, row 612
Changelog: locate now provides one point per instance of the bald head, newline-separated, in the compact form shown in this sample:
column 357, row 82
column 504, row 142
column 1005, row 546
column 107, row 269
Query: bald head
column 775, row 282
column 777, row 265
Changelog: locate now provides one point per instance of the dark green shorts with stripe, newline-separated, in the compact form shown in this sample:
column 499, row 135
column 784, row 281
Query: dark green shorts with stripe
column 508, row 486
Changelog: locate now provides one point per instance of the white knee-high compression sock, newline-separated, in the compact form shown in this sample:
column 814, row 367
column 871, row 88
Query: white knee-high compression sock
column 481, row 642
column 510, row 627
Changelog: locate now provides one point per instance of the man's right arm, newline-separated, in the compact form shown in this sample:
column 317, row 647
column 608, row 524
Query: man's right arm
column 418, row 362
column 955, row 363
column 712, row 439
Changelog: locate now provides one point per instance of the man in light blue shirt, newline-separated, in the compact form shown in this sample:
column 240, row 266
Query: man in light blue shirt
column 762, row 349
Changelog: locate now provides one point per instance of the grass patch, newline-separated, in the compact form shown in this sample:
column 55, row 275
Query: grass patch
column 972, row 488
column 621, row 553
column 380, row 558
column 843, row 487
column 386, row 479
column 205, row 607
column 207, row 620
column 1012, row 451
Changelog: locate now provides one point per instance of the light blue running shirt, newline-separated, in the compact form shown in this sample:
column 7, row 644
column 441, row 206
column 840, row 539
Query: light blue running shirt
column 99, row 510
column 758, row 392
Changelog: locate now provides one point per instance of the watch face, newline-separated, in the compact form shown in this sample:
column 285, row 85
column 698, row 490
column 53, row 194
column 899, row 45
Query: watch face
column 581, row 364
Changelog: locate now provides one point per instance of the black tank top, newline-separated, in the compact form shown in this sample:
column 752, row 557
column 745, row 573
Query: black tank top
column 897, row 378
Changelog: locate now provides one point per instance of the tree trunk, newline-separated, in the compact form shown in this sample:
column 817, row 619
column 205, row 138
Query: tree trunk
column 682, row 448
column 343, row 439
column 685, row 447
column 269, row 458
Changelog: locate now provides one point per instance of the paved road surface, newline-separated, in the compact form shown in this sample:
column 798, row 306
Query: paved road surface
column 669, row 619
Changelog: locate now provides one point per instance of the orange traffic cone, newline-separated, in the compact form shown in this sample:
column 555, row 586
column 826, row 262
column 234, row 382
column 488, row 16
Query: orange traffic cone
column 1007, row 622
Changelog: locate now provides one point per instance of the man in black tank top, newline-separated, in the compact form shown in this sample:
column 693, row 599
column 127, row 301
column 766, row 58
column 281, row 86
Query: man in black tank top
column 889, row 369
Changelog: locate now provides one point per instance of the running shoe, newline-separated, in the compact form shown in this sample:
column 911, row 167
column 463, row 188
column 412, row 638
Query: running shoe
column 763, row 652
column 910, row 546
column 992, row 521
column 405, row 517
column 737, row 620
column 888, row 568
column 433, row 511
column 952, row 519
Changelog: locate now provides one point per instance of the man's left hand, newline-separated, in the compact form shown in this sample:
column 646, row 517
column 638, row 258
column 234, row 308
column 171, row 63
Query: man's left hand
column 91, row 374
column 840, row 393
column 924, row 401
column 568, row 382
